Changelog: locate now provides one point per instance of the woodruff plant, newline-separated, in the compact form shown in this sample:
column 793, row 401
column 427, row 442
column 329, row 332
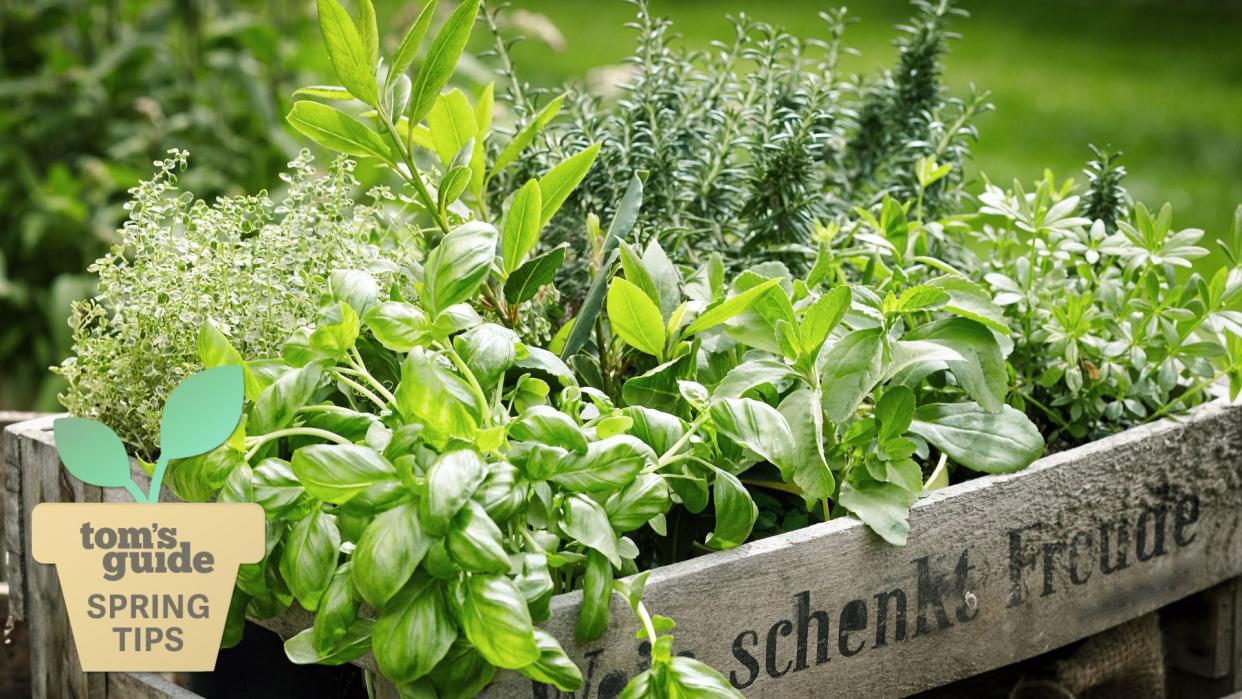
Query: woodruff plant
column 1113, row 327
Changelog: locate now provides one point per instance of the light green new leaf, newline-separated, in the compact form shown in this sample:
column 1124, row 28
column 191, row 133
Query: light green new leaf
column 521, row 225
column 398, row 326
column 823, row 316
column 337, row 472
column 408, row 49
column 214, row 349
column 435, row 396
column 324, row 92
column 349, row 53
column 635, row 318
column 441, row 59
column 728, row 308
column 524, row 137
column 281, row 401
column 335, row 129
column 558, row 183
column 1001, row 442
column 452, row 124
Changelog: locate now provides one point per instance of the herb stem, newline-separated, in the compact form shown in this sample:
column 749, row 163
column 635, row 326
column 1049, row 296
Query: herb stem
column 337, row 371
column 667, row 457
column 262, row 439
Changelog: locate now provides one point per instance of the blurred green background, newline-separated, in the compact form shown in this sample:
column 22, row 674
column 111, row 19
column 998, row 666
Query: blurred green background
column 92, row 91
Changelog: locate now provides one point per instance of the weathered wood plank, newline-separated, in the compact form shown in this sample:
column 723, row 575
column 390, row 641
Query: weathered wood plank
column 145, row 685
column 996, row 570
column 7, row 417
column 55, row 671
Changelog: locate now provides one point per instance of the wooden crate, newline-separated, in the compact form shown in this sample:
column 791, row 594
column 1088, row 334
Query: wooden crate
column 997, row 570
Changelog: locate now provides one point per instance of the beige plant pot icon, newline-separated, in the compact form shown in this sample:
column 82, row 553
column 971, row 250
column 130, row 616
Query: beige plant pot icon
column 147, row 586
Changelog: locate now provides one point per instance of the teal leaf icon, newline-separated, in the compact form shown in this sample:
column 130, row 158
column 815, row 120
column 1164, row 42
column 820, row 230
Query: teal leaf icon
column 201, row 412
column 93, row 454
column 199, row 415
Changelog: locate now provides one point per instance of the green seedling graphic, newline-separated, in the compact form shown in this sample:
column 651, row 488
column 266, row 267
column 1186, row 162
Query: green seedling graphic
column 199, row 416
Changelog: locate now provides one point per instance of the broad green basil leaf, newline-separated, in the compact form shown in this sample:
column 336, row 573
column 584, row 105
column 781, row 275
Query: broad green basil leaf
column 450, row 482
column 338, row 610
column 489, row 350
column 658, row 430
column 454, row 319
column 336, row 330
column 735, row 512
column 635, row 318
column 527, row 280
column 494, row 617
column 388, row 552
column 348, row 51
column 558, row 183
column 586, row 522
column 214, row 349
column 545, row 361
column 475, row 543
column 848, row 370
column 435, row 396
column 596, row 593
column 309, row 557
column 441, row 59
column 1001, row 442
column 811, row 473
column 884, row 507
column 276, row 488
column 521, row 231
column 413, row 632
column 501, row 495
column 644, row 498
column 239, row 486
column 279, row 402
column 523, row 138
column 822, row 317
column 535, row 583
column 337, row 472
column 548, row 426
column 969, row 300
column 607, row 464
column 355, row 287
column 355, row 644
column 459, row 264
column 350, row 424
column 336, row 130
column 981, row 371
column 398, row 326
column 756, row 426
column 729, row 308
column 452, row 125
column 197, row 478
column 553, row 666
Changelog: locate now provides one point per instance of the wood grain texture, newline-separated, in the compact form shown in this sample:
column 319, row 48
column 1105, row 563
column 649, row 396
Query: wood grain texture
column 997, row 570
column 145, row 685
column 7, row 417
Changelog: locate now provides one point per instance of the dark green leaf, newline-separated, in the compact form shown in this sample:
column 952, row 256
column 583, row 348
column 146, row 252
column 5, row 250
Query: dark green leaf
column 596, row 593
column 532, row 276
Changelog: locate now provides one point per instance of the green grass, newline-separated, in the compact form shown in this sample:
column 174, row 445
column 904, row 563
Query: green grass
column 1160, row 81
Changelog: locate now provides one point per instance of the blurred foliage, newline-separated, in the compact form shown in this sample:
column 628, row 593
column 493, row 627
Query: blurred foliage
column 92, row 93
